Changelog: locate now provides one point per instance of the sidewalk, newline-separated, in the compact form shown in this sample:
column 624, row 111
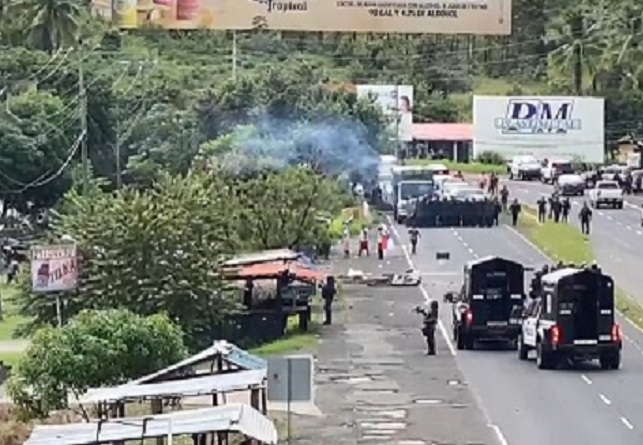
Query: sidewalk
column 374, row 382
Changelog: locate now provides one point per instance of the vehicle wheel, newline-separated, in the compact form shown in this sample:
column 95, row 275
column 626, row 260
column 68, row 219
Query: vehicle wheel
column 469, row 342
column 459, row 341
column 619, row 205
column 511, row 176
column 523, row 351
column 610, row 361
column 543, row 358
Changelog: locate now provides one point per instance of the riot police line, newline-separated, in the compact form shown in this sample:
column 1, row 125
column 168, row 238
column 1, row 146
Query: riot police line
column 566, row 316
column 435, row 212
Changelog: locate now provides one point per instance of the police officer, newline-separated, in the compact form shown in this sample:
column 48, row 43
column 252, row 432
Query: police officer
column 558, row 207
column 430, row 325
column 585, row 216
column 496, row 211
column 504, row 197
column 328, row 293
column 414, row 235
column 514, row 209
column 566, row 207
column 542, row 209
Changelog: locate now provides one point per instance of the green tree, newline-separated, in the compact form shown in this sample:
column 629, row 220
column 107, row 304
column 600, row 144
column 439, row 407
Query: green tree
column 52, row 23
column 35, row 149
column 286, row 209
column 94, row 349
column 150, row 251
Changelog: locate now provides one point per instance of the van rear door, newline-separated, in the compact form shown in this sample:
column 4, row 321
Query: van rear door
column 586, row 308
column 491, row 302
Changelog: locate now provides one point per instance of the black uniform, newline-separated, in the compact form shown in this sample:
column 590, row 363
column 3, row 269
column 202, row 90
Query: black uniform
column 429, row 326
column 414, row 235
column 566, row 208
column 542, row 210
column 556, row 208
column 328, row 293
column 585, row 216
column 514, row 209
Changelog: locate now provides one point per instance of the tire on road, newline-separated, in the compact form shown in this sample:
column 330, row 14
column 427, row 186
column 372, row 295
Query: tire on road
column 544, row 359
column 610, row 361
column 523, row 350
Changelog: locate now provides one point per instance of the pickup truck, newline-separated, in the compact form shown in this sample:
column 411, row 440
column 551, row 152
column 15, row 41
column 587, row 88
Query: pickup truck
column 606, row 193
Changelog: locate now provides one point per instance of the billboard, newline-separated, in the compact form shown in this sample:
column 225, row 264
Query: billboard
column 543, row 126
column 396, row 102
column 481, row 17
column 54, row 268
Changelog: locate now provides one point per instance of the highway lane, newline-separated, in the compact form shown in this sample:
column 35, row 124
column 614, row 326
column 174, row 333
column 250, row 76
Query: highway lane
column 528, row 405
column 616, row 237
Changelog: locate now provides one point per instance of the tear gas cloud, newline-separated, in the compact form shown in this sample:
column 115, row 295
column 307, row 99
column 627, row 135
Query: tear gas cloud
column 335, row 147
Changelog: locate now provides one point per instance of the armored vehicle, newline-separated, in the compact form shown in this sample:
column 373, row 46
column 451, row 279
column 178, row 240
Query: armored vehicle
column 573, row 320
column 490, row 303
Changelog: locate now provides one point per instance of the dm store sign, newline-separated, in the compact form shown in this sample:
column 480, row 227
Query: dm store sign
column 54, row 268
column 538, row 116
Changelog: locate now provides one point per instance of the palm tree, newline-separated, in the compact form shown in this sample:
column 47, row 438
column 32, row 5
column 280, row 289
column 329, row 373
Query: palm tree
column 578, row 46
column 52, row 23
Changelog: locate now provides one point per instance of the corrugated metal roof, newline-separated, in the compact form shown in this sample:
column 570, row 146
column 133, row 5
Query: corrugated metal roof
column 262, row 257
column 234, row 381
column 442, row 132
column 230, row 352
column 237, row 418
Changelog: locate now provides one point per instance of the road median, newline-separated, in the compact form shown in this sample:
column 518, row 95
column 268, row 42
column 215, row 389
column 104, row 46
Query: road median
column 564, row 242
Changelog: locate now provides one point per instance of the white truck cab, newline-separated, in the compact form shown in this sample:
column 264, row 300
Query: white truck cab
column 553, row 168
column 606, row 193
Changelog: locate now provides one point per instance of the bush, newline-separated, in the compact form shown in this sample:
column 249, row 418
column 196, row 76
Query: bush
column 491, row 158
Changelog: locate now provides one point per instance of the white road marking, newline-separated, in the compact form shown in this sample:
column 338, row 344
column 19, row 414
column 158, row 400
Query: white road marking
column 628, row 227
column 425, row 294
column 627, row 204
column 586, row 379
column 627, row 423
column 638, row 232
column 601, row 213
column 605, row 400
column 501, row 437
column 470, row 250
column 610, row 218
column 464, row 243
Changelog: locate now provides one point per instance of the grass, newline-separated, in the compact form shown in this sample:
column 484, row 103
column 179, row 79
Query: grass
column 564, row 242
column 12, row 320
column 469, row 167
column 10, row 358
column 294, row 340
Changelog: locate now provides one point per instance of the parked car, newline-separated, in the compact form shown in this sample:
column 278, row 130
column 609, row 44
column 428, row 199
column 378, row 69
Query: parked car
column 570, row 185
column 524, row 168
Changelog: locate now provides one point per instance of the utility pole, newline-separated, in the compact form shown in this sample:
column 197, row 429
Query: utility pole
column 234, row 55
column 83, row 119
column 119, row 177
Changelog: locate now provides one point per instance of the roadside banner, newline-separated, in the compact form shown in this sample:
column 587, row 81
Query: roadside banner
column 54, row 268
column 480, row 17
column 396, row 102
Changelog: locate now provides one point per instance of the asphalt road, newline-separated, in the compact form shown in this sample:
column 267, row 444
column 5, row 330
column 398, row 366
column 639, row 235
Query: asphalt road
column 583, row 406
column 616, row 235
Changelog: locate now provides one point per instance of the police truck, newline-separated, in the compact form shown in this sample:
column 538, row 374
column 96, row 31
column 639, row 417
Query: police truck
column 490, row 303
column 572, row 320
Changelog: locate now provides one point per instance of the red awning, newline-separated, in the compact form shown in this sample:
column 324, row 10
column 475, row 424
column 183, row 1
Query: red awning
column 275, row 270
column 442, row 132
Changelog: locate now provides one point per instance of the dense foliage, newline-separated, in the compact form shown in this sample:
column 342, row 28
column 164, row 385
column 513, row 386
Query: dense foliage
column 95, row 348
